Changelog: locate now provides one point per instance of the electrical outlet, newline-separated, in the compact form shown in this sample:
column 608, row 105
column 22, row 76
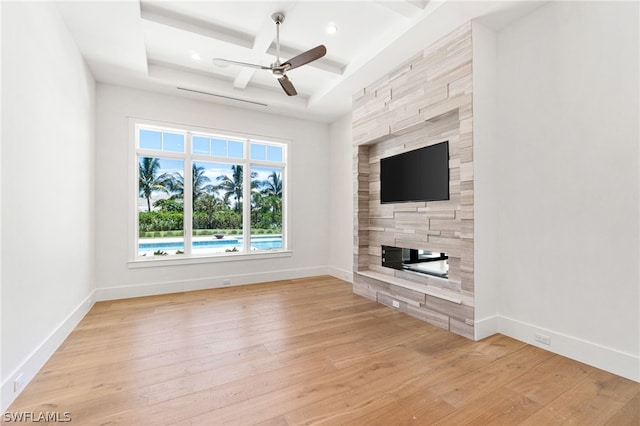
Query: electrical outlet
column 226, row 281
column 543, row 338
column 395, row 303
column 18, row 383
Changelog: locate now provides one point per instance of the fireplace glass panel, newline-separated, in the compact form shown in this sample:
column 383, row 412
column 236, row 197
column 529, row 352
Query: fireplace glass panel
column 416, row 260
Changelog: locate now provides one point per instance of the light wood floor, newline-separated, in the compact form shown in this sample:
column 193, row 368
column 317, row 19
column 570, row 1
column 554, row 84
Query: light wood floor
column 304, row 352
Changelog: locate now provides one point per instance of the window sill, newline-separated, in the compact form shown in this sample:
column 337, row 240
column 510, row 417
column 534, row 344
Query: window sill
column 156, row 262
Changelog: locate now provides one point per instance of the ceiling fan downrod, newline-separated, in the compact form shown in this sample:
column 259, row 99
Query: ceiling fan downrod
column 278, row 18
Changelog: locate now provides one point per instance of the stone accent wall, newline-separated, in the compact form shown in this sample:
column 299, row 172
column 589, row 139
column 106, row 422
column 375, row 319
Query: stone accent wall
column 424, row 101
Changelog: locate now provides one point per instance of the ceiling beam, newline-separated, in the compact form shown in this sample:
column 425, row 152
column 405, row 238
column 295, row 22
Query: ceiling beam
column 153, row 13
column 261, row 43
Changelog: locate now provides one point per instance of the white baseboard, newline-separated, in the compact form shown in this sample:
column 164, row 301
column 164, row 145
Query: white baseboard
column 486, row 327
column 167, row 287
column 340, row 273
column 36, row 359
column 608, row 359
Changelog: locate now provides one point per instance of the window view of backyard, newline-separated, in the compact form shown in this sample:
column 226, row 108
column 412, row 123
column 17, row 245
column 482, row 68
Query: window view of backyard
column 197, row 183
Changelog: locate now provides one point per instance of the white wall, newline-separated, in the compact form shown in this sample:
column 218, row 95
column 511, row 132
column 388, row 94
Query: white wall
column 486, row 176
column 48, row 98
column 341, row 199
column 2, row 406
column 309, row 153
column 567, row 198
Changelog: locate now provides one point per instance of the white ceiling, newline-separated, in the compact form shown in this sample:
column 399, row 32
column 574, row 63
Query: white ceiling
column 149, row 45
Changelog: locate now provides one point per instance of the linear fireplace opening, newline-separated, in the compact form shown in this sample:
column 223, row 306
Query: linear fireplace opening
column 416, row 260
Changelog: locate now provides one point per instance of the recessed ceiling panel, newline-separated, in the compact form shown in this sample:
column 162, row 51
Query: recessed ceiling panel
column 153, row 44
column 358, row 24
column 245, row 16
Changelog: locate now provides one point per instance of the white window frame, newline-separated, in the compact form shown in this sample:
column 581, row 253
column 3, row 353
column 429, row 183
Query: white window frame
column 188, row 157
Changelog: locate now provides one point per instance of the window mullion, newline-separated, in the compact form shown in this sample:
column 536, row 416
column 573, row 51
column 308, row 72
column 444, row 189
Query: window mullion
column 188, row 198
column 285, row 208
column 246, row 205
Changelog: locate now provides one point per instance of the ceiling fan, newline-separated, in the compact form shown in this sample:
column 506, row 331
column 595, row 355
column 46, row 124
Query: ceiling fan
column 279, row 70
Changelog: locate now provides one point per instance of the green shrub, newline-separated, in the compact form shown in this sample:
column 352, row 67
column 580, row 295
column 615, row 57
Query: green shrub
column 169, row 223
column 168, row 205
column 160, row 221
column 221, row 219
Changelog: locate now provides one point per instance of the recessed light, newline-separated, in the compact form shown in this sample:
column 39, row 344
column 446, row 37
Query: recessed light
column 332, row 28
column 195, row 56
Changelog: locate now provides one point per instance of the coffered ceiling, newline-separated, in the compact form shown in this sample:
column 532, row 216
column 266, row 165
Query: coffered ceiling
column 169, row 46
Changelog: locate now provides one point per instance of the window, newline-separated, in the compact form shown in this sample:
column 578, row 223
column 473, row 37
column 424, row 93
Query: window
column 193, row 196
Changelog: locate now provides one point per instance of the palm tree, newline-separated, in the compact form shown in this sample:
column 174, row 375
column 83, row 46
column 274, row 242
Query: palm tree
column 149, row 181
column 273, row 185
column 209, row 204
column 232, row 185
column 199, row 185
column 272, row 191
column 258, row 207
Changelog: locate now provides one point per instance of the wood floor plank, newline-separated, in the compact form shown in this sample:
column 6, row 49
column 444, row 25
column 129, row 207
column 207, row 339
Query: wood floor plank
column 265, row 406
column 628, row 415
column 355, row 404
column 466, row 388
column 500, row 407
column 594, row 400
column 420, row 408
column 550, row 379
column 307, row 351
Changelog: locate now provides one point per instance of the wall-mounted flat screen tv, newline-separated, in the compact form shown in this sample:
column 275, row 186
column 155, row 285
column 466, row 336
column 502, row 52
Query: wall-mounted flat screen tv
column 418, row 175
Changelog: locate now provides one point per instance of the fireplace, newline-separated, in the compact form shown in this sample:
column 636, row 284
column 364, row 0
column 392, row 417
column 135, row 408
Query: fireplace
column 416, row 260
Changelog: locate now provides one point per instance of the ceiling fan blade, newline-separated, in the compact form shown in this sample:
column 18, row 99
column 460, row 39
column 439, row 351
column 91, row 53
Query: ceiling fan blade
column 287, row 85
column 226, row 62
column 306, row 57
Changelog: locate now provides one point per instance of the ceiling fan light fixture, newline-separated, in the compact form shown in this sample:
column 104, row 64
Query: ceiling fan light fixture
column 195, row 56
column 332, row 28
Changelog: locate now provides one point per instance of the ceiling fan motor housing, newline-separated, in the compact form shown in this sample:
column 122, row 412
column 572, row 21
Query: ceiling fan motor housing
column 278, row 70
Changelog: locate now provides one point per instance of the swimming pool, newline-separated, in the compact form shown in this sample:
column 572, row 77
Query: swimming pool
column 259, row 242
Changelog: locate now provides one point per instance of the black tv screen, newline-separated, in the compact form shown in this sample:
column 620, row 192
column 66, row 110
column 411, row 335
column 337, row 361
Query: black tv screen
column 418, row 175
